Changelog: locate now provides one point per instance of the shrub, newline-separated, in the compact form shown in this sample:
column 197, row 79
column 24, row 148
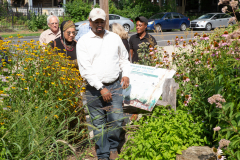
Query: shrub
column 78, row 10
column 164, row 134
column 37, row 22
column 205, row 67
column 41, row 107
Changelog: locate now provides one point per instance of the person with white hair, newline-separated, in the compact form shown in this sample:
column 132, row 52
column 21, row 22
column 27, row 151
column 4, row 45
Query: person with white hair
column 52, row 33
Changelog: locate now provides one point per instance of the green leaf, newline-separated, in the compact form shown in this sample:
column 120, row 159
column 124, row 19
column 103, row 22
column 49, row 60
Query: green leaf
column 184, row 148
column 179, row 152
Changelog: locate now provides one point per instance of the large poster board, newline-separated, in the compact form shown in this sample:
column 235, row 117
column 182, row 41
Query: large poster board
column 146, row 85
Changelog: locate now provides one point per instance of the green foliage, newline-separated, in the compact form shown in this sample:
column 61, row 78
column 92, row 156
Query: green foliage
column 78, row 10
column 163, row 135
column 41, row 112
column 37, row 22
column 210, row 67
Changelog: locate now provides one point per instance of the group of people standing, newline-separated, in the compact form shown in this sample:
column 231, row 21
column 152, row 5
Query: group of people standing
column 103, row 61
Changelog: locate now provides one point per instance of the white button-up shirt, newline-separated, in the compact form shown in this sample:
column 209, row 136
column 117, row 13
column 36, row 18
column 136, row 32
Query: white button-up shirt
column 100, row 60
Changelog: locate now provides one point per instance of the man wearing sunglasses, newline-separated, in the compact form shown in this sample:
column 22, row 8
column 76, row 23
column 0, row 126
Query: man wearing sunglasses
column 52, row 33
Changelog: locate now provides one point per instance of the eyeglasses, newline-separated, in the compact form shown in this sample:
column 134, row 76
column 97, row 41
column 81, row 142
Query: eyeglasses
column 54, row 23
column 73, row 32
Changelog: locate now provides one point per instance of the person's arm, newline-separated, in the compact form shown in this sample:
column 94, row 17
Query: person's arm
column 131, row 55
column 131, row 49
column 124, row 63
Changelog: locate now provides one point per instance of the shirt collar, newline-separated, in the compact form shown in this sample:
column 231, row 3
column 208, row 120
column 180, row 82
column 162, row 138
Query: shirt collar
column 94, row 35
column 146, row 36
column 50, row 32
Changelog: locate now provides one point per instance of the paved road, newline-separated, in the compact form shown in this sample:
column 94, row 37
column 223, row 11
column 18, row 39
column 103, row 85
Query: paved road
column 161, row 38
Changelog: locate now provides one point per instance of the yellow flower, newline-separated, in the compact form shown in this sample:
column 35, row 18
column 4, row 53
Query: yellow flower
column 49, row 74
column 45, row 117
column 75, row 111
column 37, row 73
column 22, row 79
column 56, row 106
column 10, row 36
column 16, row 110
column 13, row 87
column 9, row 106
column 45, row 91
column 52, row 82
column 2, row 123
column 56, row 116
column 59, row 99
column 26, row 88
column 36, row 107
column 25, row 68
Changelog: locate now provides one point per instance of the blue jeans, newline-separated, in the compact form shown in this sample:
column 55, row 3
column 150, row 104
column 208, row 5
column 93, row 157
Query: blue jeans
column 107, row 117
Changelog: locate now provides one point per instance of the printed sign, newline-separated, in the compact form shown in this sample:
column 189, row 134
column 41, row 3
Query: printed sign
column 146, row 85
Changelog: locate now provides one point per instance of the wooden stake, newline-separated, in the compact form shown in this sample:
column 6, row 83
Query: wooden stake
column 105, row 7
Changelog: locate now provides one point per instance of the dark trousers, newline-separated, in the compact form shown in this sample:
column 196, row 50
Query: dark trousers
column 106, row 117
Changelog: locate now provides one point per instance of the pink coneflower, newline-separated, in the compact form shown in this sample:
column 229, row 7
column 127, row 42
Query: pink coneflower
column 197, row 61
column 169, row 43
column 151, row 53
column 216, row 128
column 151, row 48
column 204, row 37
column 196, row 85
column 181, row 39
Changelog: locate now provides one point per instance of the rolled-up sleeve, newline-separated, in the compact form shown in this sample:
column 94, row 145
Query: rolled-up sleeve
column 123, row 59
column 85, row 65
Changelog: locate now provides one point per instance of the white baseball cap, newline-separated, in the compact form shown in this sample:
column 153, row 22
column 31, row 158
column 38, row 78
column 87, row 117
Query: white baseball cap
column 97, row 13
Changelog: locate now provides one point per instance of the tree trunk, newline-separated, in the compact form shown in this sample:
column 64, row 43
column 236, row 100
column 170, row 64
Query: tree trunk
column 105, row 7
column 160, row 3
column 183, row 6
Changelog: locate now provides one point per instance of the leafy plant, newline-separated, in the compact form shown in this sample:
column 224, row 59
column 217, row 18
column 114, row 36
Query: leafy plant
column 41, row 112
column 37, row 22
column 206, row 66
column 163, row 134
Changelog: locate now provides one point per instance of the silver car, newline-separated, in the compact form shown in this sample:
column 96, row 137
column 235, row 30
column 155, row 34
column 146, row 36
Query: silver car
column 127, row 23
column 211, row 20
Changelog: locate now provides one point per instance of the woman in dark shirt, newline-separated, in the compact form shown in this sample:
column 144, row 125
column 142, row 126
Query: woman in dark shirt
column 66, row 42
column 118, row 29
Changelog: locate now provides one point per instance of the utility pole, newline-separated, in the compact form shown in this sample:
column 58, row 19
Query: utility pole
column 105, row 7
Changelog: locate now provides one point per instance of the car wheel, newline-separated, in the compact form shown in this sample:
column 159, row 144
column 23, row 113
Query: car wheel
column 126, row 27
column 158, row 28
column 183, row 27
column 208, row 27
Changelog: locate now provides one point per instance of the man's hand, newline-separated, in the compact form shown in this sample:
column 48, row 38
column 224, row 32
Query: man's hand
column 125, row 81
column 106, row 94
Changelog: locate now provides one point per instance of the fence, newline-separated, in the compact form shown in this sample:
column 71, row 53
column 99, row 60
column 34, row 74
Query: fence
column 15, row 18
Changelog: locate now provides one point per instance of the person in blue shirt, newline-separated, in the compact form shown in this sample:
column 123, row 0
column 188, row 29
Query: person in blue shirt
column 85, row 28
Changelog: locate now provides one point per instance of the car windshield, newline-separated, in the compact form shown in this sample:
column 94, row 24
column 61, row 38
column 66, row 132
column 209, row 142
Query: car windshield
column 206, row 16
column 157, row 16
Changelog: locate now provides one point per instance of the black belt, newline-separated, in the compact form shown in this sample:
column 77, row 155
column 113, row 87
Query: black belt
column 108, row 84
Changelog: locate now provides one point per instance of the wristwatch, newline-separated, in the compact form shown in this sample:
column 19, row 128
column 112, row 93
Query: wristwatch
column 102, row 88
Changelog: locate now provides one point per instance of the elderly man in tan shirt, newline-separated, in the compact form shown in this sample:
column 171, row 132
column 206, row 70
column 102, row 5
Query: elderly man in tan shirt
column 52, row 33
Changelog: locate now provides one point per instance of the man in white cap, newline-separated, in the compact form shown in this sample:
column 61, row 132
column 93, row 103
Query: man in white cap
column 101, row 57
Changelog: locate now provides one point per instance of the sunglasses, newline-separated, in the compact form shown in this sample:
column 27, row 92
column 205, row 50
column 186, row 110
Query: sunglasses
column 73, row 32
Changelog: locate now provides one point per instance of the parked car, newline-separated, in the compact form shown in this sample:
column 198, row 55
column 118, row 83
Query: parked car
column 211, row 20
column 127, row 23
column 168, row 21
